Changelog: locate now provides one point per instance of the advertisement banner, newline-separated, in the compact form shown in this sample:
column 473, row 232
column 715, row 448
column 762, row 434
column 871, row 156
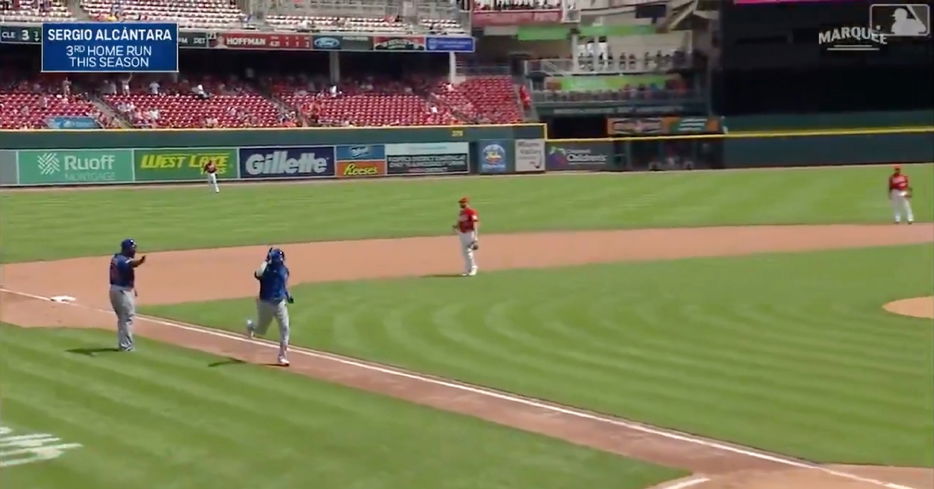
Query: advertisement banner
column 361, row 152
column 287, row 162
column 355, row 169
column 451, row 44
column 193, row 39
column 398, row 43
column 427, row 158
column 260, row 40
column 76, row 166
column 94, row 47
column 515, row 17
column 8, row 167
column 530, row 155
column 74, row 122
column 579, row 156
column 628, row 126
column 327, row 43
column 622, row 126
column 605, row 82
column 18, row 34
column 492, row 156
column 356, row 43
column 180, row 164
column 362, row 160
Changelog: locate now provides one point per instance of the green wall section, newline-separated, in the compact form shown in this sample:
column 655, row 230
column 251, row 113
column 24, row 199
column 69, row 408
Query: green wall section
column 833, row 120
column 828, row 150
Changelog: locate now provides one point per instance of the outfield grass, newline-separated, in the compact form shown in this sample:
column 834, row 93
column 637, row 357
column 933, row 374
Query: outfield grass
column 49, row 225
column 164, row 418
column 787, row 352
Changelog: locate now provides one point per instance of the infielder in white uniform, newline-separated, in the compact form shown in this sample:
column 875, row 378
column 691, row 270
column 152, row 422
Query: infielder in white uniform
column 467, row 227
column 899, row 193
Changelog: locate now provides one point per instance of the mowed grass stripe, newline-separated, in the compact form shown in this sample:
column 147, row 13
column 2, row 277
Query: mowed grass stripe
column 760, row 350
column 50, row 225
column 144, row 423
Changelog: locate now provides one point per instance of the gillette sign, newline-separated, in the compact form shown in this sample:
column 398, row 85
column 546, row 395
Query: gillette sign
column 287, row 162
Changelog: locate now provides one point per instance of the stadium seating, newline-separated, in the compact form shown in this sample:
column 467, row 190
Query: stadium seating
column 442, row 26
column 32, row 110
column 517, row 4
column 394, row 103
column 491, row 100
column 36, row 11
column 230, row 104
column 187, row 13
column 366, row 103
column 336, row 24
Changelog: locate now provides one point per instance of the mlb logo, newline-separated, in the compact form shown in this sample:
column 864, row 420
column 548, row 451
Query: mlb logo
column 901, row 19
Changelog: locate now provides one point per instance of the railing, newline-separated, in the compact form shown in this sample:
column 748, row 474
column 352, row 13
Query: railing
column 620, row 64
column 335, row 7
column 485, row 70
column 620, row 96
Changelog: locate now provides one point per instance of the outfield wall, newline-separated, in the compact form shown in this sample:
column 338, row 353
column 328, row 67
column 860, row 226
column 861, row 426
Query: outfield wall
column 747, row 149
column 96, row 157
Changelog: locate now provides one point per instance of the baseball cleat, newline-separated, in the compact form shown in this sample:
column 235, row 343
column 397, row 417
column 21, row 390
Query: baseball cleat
column 283, row 362
column 249, row 329
column 472, row 273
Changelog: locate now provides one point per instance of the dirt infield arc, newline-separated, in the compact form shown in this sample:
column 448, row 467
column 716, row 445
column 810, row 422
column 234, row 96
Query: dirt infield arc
column 224, row 273
column 917, row 307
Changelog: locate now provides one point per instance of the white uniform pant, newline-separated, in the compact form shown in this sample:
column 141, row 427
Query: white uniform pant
column 212, row 181
column 470, row 263
column 901, row 205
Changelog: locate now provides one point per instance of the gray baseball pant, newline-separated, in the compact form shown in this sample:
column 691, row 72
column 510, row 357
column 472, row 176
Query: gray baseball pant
column 265, row 312
column 123, row 302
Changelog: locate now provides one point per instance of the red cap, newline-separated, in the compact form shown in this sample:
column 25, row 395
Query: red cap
column 464, row 200
column 897, row 167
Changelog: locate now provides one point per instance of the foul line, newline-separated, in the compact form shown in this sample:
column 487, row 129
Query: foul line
column 693, row 481
column 483, row 391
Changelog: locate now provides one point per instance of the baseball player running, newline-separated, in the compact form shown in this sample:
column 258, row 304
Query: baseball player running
column 899, row 192
column 468, row 224
column 273, row 278
column 123, row 292
column 210, row 168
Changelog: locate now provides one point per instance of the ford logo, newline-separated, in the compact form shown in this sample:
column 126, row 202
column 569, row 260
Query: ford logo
column 327, row 42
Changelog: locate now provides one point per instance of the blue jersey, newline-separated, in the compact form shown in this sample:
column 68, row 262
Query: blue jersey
column 122, row 273
column 273, row 284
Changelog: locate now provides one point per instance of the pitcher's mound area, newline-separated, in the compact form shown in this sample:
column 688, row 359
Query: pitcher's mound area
column 918, row 307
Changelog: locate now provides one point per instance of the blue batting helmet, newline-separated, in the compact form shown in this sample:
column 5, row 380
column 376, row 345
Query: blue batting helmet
column 128, row 247
column 275, row 256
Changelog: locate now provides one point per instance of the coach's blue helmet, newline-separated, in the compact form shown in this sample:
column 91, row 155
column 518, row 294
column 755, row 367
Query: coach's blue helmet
column 128, row 247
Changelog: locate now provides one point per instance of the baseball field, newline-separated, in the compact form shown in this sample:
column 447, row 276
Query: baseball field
column 666, row 330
